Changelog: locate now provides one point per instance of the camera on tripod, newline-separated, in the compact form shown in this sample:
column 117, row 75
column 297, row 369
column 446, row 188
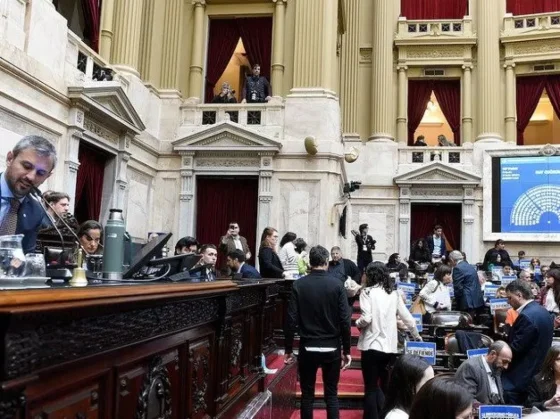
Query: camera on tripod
column 351, row 187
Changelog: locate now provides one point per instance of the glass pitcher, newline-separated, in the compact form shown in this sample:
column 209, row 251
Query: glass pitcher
column 12, row 258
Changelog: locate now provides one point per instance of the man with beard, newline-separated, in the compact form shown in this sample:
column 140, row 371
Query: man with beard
column 481, row 375
column 256, row 88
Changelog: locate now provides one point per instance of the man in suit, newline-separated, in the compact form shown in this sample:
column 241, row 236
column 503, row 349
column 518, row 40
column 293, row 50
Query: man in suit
column 236, row 262
column 28, row 165
column 318, row 311
column 466, row 286
column 232, row 240
column 205, row 269
column 481, row 375
column 530, row 339
column 436, row 244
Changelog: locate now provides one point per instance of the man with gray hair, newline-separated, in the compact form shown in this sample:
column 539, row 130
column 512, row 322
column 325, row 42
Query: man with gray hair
column 482, row 375
column 28, row 165
column 466, row 286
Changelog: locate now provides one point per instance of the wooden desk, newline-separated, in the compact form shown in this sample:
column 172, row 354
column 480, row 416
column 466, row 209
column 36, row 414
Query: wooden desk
column 169, row 350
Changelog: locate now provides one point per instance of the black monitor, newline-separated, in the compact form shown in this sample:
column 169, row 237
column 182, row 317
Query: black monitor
column 147, row 253
column 177, row 263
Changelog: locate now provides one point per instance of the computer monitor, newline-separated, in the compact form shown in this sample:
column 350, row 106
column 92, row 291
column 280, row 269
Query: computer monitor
column 150, row 249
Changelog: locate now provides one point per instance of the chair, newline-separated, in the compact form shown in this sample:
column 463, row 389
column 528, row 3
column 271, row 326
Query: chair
column 500, row 322
column 452, row 344
column 451, row 318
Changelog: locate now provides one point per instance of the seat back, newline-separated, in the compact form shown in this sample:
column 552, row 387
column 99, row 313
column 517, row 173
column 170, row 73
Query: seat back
column 452, row 344
column 451, row 318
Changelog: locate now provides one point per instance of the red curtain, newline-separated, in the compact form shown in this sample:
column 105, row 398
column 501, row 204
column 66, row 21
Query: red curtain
column 92, row 16
column 220, row 201
column 448, row 95
column 529, row 91
column 526, row 7
column 89, row 183
column 256, row 34
column 419, row 92
column 553, row 91
column 434, row 9
column 425, row 216
column 222, row 40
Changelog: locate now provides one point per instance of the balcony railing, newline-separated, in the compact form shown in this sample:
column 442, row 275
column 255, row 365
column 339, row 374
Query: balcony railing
column 87, row 61
column 459, row 156
column 424, row 30
column 520, row 24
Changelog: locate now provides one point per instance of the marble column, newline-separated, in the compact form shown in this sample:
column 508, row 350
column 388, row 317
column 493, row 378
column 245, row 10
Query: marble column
column 382, row 100
column 196, row 89
column 186, row 197
column 402, row 117
column 489, row 72
column 350, row 69
column 277, row 79
column 172, row 35
column 146, row 41
column 126, row 45
column 106, row 26
column 404, row 219
column 121, row 179
column 511, row 125
column 467, row 233
column 265, row 193
column 467, row 105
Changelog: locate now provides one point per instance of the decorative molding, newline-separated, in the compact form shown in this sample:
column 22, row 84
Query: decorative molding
column 265, row 199
column 186, row 197
column 243, row 299
column 549, row 150
column 428, row 51
column 186, row 173
column 187, row 161
column 199, row 355
column 536, row 47
column 436, row 192
column 365, row 55
column 217, row 162
column 99, row 130
column 155, row 381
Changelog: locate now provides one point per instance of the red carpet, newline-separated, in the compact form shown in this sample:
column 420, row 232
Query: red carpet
column 355, row 316
column 322, row 414
column 273, row 361
column 355, row 331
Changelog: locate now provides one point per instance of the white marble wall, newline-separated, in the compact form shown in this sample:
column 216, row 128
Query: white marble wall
column 140, row 204
column 12, row 21
column 298, row 208
column 166, row 196
column 383, row 227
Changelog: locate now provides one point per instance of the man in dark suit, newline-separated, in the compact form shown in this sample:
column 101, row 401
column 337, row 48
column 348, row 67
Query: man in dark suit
column 28, row 165
column 236, row 262
column 466, row 286
column 205, row 269
column 342, row 268
column 530, row 339
column 436, row 244
column 318, row 311
column 481, row 375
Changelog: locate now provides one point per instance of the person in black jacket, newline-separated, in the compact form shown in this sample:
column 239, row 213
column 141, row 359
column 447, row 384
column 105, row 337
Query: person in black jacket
column 420, row 253
column 366, row 245
column 318, row 311
column 543, row 390
column 269, row 262
column 342, row 268
column 497, row 256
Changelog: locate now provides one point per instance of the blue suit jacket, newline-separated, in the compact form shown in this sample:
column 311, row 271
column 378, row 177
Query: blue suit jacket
column 430, row 244
column 30, row 215
column 466, row 287
column 530, row 339
column 247, row 271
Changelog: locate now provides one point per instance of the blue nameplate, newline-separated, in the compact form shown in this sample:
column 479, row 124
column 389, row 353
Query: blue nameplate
column 524, row 264
column 408, row 306
column 426, row 350
column 490, row 290
column 500, row 412
column 451, row 290
column 471, row 353
column 498, row 303
column 506, row 279
column 418, row 318
column 497, row 270
column 407, row 288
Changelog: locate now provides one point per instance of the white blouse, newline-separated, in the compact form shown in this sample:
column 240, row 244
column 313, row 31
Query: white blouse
column 434, row 291
column 396, row 414
column 378, row 322
column 550, row 303
column 289, row 257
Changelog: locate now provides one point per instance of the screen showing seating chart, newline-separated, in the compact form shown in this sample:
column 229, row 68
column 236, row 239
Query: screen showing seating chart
column 530, row 194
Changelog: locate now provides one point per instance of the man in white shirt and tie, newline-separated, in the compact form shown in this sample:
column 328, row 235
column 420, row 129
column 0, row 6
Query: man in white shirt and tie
column 205, row 270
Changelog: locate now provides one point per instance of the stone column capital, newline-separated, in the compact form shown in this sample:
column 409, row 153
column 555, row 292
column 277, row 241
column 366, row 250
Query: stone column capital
column 199, row 3
column 402, row 67
column 467, row 67
column 509, row 65
column 279, row 2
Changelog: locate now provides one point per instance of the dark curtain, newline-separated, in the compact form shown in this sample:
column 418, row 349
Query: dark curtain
column 526, row 7
column 419, row 92
column 553, row 91
column 448, row 95
column 342, row 223
column 256, row 34
column 89, row 183
column 434, row 9
column 529, row 91
column 425, row 216
column 222, row 40
column 220, row 201
column 92, row 17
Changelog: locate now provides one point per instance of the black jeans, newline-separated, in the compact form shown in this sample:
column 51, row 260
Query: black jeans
column 308, row 364
column 375, row 372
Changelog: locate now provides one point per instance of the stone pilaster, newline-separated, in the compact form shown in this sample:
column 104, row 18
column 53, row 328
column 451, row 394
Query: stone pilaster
column 467, row 233
column 106, row 26
column 186, row 205
column 76, row 119
column 172, row 35
column 197, row 53
column 489, row 72
column 404, row 219
column 402, row 115
column 277, row 79
column 350, row 68
column 146, row 41
column 511, row 126
column 126, row 44
column 467, row 105
column 382, row 122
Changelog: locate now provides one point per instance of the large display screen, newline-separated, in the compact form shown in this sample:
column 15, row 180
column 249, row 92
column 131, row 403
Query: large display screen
column 528, row 195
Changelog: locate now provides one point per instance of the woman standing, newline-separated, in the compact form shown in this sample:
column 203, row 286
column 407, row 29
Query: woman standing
column 543, row 390
column 288, row 255
column 366, row 245
column 380, row 304
column 550, row 296
column 269, row 262
column 435, row 293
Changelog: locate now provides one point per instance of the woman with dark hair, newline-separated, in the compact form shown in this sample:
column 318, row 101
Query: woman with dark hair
column 435, row 293
column 288, row 255
column 420, row 253
column 543, row 390
column 303, row 258
column 442, row 398
column 269, row 262
column 409, row 374
column 89, row 234
column 380, row 304
column 365, row 245
column 551, row 294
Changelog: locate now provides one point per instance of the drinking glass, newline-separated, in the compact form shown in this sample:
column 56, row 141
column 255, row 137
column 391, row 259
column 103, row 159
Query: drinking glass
column 35, row 265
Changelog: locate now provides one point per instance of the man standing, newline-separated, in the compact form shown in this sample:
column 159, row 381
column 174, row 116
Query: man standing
column 205, row 270
column 497, row 256
column 436, row 244
column 482, row 375
column 236, row 262
column 318, row 310
column 366, row 245
column 28, row 165
column 530, row 339
column 232, row 240
column 256, row 88
column 466, row 285
column 341, row 268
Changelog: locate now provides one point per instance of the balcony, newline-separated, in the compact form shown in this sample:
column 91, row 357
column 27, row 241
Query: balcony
column 86, row 60
column 435, row 32
column 414, row 157
column 529, row 27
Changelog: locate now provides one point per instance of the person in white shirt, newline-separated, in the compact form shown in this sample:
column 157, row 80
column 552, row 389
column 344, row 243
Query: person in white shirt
column 288, row 255
column 409, row 374
column 380, row 304
column 435, row 293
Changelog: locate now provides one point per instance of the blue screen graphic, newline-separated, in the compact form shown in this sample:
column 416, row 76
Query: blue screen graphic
column 530, row 194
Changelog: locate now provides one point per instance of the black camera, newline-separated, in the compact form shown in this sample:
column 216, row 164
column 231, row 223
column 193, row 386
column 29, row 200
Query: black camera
column 351, row 187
